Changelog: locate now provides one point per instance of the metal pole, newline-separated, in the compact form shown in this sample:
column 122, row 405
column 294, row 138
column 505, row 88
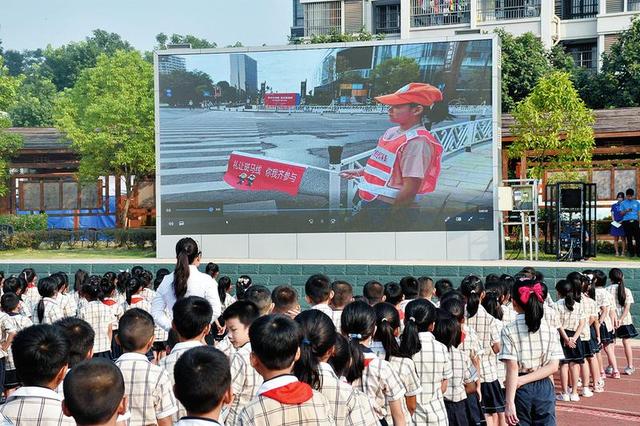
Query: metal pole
column 530, row 237
column 524, row 243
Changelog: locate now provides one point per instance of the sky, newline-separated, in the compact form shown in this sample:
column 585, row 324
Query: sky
column 30, row 24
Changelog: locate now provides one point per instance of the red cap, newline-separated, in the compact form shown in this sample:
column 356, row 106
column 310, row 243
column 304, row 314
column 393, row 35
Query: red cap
column 412, row 93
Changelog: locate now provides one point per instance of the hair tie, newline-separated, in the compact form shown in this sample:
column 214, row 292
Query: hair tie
column 384, row 319
column 355, row 336
column 306, row 342
column 412, row 319
column 473, row 291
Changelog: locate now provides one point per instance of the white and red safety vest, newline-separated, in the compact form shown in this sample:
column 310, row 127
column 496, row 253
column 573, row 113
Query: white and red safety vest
column 379, row 168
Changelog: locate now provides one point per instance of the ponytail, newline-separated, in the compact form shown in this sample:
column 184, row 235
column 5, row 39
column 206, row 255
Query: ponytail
column 224, row 284
column 472, row 288
column 617, row 277
column 387, row 322
column 92, row 289
column 186, row 253
column 565, row 290
column 576, row 279
column 40, row 310
column 133, row 285
column 491, row 303
column 419, row 315
column 531, row 301
column 319, row 336
column 47, row 287
column 358, row 322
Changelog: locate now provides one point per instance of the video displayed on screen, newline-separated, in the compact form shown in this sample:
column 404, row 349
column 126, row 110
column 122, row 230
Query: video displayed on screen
column 380, row 138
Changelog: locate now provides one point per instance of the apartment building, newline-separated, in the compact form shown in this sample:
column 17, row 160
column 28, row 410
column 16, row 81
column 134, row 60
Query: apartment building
column 586, row 28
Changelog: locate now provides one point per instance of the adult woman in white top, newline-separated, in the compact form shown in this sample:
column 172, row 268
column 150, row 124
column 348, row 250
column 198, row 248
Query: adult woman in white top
column 185, row 281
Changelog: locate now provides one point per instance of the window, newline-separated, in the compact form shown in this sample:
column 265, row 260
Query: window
column 498, row 10
column 387, row 19
column 584, row 54
column 322, row 18
column 426, row 13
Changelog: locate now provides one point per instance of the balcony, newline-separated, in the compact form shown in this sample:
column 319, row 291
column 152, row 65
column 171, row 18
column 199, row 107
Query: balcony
column 508, row 9
column 579, row 9
column 439, row 13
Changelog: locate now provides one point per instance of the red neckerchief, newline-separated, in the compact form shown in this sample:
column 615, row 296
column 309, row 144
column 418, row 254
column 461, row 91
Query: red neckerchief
column 109, row 302
column 31, row 285
column 368, row 357
column 293, row 393
column 462, row 336
column 135, row 300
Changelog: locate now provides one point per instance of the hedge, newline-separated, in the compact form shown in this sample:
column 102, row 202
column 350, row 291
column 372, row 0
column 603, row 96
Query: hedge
column 25, row 222
column 56, row 238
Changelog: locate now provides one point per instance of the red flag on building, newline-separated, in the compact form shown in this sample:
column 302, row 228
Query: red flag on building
column 248, row 172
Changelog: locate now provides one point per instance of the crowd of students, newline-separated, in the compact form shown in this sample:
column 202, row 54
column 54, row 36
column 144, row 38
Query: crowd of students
column 483, row 351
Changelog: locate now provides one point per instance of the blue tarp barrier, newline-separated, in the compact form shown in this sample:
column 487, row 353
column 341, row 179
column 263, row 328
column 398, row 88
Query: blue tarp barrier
column 100, row 221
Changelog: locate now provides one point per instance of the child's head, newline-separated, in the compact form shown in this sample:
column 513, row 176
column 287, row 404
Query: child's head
column 160, row 274
column 419, row 317
column 528, row 296
column 92, row 289
column 358, row 324
column 342, row 294
column 617, row 277
column 224, row 286
column 373, row 291
column 80, row 278
column 410, row 287
column 243, row 283
column 16, row 285
column 108, row 285
column 565, row 291
column 192, row 317
column 284, row 299
column 147, row 278
column 455, row 306
column 275, row 344
column 94, row 392
column 136, row 270
column 10, row 302
column 212, row 269
column 576, row 279
column 447, row 329
column 133, row 286
column 426, row 287
column 442, row 286
column 318, row 338
column 387, row 328
column 202, row 380
column 393, row 293
column 507, row 282
column 491, row 303
column 238, row 317
column 29, row 275
column 261, row 297
column 62, row 281
column 341, row 358
column 599, row 278
column 47, row 287
column 41, row 355
column 136, row 331
column 80, row 336
column 121, row 280
column 317, row 289
column 473, row 291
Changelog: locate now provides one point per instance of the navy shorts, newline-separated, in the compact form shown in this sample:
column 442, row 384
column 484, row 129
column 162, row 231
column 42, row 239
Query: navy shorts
column 536, row 403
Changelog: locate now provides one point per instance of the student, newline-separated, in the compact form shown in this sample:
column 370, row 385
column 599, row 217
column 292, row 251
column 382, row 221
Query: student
column 492, row 304
column 488, row 331
column 80, row 278
column 260, row 296
column 99, row 316
column 213, row 270
column 342, row 296
column 203, row 385
column 508, row 314
column 80, row 336
column 387, row 333
column 318, row 293
column 427, row 290
column 448, row 331
column 13, row 323
column 410, row 289
column 318, row 341
column 147, row 386
column 224, row 291
column 135, row 298
column 432, row 361
column 373, row 292
column 245, row 380
column 606, row 303
column 590, row 369
column 111, row 299
column 368, row 373
column 31, row 296
column 67, row 302
column 393, row 295
column 442, row 286
column 571, row 321
column 531, row 351
column 281, row 399
column 623, row 299
column 47, row 310
column 285, row 301
column 41, row 354
column 242, row 284
column 94, row 393
column 192, row 321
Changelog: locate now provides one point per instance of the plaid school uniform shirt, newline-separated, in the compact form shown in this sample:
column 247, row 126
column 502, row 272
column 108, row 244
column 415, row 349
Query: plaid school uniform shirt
column 14, row 322
column 405, row 368
column 488, row 331
column 68, row 304
column 550, row 316
column 530, row 350
column 99, row 316
column 342, row 398
column 148, row 388
column 31, row 296
column 169, row 362
column 148, row 294
column 613, row 290
column 228, row 301
column 52, row 311
column 470, row 342
column 139, row 302
column 508, row 314
column 225, row 346
column 433, row 365
column 380, row 383
column 605, row 300
column 6, row 328
column 569, row 320
column 463, row 373
column 245, row 382
column 334, row 315
column 35, row 406
column 116, row 306
column 590, row 309
column 264, row 410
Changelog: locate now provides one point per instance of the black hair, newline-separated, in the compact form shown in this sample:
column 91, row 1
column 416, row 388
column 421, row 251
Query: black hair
column 29, row 274
column 14, row 285
column 260, row 296
column 134, row 285
column 630, row 192
column 275, row 341
column 80, row 278
column 454, row 306
column 160, row 274
column 387, row 322
column 224, row 285
column 472, row 288
column 357, row 323
column 191, row 316
column 246, row 312
column 9, row 302
column 424, row 286
column 620, row 195
column 507, row 281
column 284, row 297
column 373, row 291
column 147, row 278
column 497, row 287
column 419, row 315
column 534, row 308
column 47, row 287
column 186, row 253
column 588, row 283
column 107, row 286
column 393, row 293
column 93, row 391
column 491, row 303
column 318, row 288
column 172, row 338
column 576, row 279
column 447, row 330
column 81, row 337
column 121, row 280
column 136, row 270
column 341, row 358
column 318, row 337
column 443, row 286
column 92, row 290
column 202, row 376
column 342, row 293
column 212, row 269
column 529, row 270
column 410, row 287
column 617, row 277
column 565, row 290
column 599, row 278
column 135, row 329
column 39, row 353
column 62, row 280
column 243, row 283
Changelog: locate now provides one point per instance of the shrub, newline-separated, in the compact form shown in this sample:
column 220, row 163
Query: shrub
column 25, row 222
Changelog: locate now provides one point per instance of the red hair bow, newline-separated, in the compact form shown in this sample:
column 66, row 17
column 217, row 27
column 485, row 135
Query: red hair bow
column 526, row 292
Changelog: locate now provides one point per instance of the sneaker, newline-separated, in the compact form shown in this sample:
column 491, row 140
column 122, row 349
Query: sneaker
column 603, row 375
column 608, row 371
column 579, row 384
column 575, row 397
column 586, row 392
column 615, row 375
column 599, row 387
column 563, row 397
column 629, row 371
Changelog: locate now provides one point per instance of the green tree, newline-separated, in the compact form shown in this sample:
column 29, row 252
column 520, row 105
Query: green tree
column 185, row 86
column 109, row 117
column 10, row 143
column 553, row 126
column 392, row 74
column 34, row 102
column 335, row 36
column 196, row 43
